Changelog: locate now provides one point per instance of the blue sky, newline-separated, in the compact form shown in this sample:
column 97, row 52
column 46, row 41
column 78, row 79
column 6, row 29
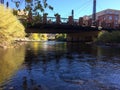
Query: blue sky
column 80, row 7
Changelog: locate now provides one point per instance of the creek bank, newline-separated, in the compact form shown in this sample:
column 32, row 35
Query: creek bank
column 28, row 40
column 17, row 42
column 12, row 44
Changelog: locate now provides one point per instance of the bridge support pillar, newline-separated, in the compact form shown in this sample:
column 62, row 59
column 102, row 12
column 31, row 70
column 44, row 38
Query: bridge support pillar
column 70, row 20
column 58, row 18
column 45, row 18
column 81, row 21
column 83, row 36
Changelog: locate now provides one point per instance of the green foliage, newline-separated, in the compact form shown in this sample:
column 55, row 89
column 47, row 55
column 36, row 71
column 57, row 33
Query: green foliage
column 14, row 12
column 36, row 36
column 37, row 5
column 38, row 18
column 109, row 37
column 60, row 37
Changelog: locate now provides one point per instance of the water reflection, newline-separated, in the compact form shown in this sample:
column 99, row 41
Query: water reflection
column 68, row 66
column 10, row 62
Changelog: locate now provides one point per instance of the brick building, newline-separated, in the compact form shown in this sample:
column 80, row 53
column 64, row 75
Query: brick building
column 109, row 18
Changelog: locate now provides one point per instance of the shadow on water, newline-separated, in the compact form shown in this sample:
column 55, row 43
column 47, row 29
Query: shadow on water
column 67, row 66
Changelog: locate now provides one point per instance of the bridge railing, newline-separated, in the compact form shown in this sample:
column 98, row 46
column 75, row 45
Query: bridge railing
column 58, row 20
column 53, row 19
column 69, row 20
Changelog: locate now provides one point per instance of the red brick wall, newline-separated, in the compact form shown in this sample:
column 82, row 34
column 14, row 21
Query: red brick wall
column 108, row 20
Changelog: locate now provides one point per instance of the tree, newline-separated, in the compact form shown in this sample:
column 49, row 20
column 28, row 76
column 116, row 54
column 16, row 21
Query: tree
column 109, row 37
column 33, row 6
column 60, row 37
column 37, row 5
column 10, row 27
column 38, row 36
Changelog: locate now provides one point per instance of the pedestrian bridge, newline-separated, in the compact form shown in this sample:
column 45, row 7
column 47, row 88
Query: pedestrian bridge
column 58, row 28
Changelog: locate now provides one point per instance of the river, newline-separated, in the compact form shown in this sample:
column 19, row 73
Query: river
column 60, row 66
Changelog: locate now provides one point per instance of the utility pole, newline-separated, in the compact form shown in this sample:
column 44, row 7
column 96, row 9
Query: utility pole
column 94, row 13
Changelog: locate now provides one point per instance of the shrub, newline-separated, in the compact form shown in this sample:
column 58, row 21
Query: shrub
column 109, row 37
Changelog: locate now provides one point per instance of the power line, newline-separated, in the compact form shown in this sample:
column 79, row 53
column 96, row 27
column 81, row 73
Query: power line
column 80, row 7
column 83, row 4
column 84, row 7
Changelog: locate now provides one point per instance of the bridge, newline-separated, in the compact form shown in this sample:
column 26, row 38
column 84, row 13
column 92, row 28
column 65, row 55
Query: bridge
column 82, row 29
column 59, row 28
column 58, row 24
column 62, row 25
column 76, row 30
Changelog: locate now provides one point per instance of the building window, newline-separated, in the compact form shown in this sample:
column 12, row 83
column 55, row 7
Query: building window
column 116, row 23
column 109, row 12
column 116, row 18
column 116, row 12
column 104, row 18
column 110, row 17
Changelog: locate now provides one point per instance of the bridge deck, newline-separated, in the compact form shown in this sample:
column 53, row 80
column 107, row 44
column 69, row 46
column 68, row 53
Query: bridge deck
column 58, row 28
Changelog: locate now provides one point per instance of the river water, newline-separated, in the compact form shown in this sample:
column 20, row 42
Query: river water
column 60, row 66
